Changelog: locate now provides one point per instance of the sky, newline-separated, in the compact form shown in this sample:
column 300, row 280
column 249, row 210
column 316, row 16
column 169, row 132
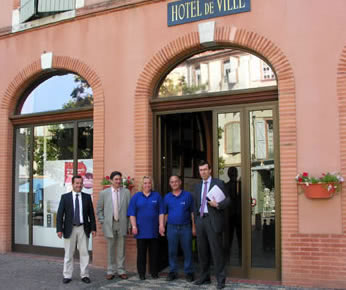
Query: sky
column 52, row 94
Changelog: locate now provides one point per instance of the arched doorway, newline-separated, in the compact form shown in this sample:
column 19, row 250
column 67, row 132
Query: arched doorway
column 53, row 137
column 221, row 105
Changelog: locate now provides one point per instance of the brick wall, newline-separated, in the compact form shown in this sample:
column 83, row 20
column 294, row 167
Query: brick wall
column 306, row 259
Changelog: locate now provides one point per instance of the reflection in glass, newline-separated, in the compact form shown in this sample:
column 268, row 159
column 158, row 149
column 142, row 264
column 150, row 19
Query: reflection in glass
column 52, row 164
column 183, row 146
column 22, row 186
column 59, row 92
column 229, row 144
column 217, row 71
column 262, row 189
column 52, row 172
column 85, row 154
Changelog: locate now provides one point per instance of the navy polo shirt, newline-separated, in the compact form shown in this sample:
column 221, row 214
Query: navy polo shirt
column 147, row 211
column 178, row 208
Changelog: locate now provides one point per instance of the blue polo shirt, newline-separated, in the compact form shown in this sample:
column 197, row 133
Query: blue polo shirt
column 178, row 208
column 147, row 211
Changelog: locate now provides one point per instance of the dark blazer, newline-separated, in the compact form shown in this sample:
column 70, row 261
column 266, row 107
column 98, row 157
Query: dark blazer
column 216, row 215
column 64, row 218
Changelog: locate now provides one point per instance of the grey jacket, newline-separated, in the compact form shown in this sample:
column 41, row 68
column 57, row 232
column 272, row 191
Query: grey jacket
column 105, row 211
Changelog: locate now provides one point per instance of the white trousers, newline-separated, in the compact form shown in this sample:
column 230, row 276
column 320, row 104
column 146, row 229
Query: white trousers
column 79, row 238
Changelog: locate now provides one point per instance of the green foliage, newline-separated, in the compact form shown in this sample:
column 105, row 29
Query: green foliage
column 328, row 177
column 81, row 96
column 222, row 163
column 169, row 89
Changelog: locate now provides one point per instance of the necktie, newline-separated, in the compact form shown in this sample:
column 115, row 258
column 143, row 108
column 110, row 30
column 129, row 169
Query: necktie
column 115, row 206
column 204, row 198
column 76, row 218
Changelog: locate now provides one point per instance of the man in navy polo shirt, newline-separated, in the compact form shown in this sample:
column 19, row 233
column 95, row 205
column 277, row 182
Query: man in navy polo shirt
column 178, row 206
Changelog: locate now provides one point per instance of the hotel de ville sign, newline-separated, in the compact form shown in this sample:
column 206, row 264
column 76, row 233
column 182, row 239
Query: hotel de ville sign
column 185, row 11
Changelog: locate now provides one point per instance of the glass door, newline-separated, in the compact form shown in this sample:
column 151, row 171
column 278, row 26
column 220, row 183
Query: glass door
column 247, row 161
column 46, row 158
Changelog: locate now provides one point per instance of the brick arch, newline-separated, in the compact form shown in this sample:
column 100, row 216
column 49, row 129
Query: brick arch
column 233, row 37
column 7, row 106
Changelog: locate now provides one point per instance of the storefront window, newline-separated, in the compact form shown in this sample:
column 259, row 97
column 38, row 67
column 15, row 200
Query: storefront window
column 48, row 153
column 52, row 159
column 55, row 149
column 59, row 92
column 217, row 71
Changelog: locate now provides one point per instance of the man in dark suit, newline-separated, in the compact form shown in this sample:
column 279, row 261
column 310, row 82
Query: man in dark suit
column 209, row 220
column 75, row 220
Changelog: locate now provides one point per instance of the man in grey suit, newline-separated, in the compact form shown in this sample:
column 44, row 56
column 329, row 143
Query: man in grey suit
column 112, row 214
column 209, row 221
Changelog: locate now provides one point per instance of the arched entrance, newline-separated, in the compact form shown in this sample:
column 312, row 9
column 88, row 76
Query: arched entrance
column 189, row 44
column 221, row 105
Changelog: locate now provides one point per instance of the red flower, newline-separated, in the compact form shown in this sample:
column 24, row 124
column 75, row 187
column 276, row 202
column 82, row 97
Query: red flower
column 107, row 177
column 305, row 174
column 300, row 179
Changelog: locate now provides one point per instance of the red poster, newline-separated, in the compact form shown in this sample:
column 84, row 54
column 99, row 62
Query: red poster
column 69, row 171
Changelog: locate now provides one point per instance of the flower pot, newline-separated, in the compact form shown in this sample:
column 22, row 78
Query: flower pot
column 318, row 190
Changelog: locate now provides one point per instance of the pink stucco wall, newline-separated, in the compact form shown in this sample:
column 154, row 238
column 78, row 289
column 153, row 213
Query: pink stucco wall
column 118, row 45
column 6, row 7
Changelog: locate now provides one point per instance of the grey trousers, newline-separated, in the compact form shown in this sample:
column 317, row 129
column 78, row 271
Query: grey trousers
column 116, row 251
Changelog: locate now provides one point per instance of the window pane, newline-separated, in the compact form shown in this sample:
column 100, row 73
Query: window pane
column 217, row 71
column 22, row 186
column 262, row 189
column 59, row 92
column 229, row 171
column 52, row 171
column 85, row 154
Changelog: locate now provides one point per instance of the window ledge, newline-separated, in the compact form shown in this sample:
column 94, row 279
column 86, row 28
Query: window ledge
column 44, row 21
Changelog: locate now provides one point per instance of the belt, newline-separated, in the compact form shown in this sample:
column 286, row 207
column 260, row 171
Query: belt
column 77, row 225
column 204, row 215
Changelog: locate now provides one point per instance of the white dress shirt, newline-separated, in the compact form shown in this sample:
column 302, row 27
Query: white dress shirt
column 80, row 205
column 208, row 186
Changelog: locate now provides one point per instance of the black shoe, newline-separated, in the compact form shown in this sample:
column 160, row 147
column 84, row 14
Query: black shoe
column 171, row 276
column 86, row 280
column 190, row 277
column 155, row 276
column 142, row 276
column 202, row 281
column 66, row 280
column 220, row 285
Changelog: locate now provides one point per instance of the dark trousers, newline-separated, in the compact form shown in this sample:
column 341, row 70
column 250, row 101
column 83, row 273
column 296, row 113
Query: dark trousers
column 142, row 247
column 207, row 239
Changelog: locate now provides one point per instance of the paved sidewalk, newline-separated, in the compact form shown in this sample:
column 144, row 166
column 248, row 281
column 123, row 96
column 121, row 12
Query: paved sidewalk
column 23, row 271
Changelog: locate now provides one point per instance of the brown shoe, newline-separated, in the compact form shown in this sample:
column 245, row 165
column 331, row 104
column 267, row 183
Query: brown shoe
column 123, row 276
column 109, row 276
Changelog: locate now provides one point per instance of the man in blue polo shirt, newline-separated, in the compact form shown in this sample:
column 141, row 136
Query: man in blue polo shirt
column 178, row 206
